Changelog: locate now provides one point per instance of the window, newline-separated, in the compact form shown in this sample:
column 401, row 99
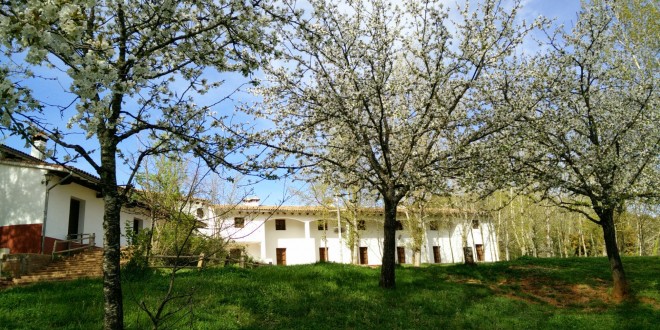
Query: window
column 322, row 224
column 475, row 224
column 137, row 225
column 200, row 213
column 239, row 222
column 399, row 225
column 280, row 224
column 361, row 225
column 433, row 225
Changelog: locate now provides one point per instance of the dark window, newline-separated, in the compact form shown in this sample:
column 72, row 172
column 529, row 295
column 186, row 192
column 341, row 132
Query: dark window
column 239, row 222
column 280, row 224
column 200, row 212
column 433, row 225
column 399, row 225
column 475, row 224
column 137, row 225
column 362, row 225
column 322, row 225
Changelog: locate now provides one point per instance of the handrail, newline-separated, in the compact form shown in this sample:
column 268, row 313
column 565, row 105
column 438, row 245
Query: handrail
column 91, row 242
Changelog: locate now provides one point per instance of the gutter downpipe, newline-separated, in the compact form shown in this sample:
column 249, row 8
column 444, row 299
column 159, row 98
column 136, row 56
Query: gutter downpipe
column 43, row 227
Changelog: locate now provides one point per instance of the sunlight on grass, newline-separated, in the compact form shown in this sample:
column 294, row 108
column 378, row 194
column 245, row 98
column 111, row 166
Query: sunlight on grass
column 522, row 294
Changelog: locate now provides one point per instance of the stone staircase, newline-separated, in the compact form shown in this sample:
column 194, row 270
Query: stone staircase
column 85, row 264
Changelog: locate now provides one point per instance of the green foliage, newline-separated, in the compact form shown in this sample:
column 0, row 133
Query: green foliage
column 503, row 295
column 137, row 250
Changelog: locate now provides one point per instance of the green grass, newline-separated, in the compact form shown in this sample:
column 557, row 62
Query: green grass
column 522, row 294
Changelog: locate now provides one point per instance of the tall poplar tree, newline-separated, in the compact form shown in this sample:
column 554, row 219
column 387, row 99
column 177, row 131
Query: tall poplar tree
column 131, row 72
column 389, row 95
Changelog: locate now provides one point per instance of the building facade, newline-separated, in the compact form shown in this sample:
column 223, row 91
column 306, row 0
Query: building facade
column 291, row 235
column 41, row 203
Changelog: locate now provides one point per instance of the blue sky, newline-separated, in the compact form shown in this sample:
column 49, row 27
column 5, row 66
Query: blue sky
column 271, row 192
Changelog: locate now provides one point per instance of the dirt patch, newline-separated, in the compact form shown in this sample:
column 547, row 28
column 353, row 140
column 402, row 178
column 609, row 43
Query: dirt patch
column 650, row 301
column 562, row 295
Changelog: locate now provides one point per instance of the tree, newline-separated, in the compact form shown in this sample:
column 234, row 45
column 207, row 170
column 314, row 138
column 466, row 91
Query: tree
column 387, row 95
column 590, row 140
column 133, row 70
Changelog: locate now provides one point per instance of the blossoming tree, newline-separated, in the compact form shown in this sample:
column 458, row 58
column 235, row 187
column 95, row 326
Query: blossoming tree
column 388, row 94
column 590, row 139
column 135, row 74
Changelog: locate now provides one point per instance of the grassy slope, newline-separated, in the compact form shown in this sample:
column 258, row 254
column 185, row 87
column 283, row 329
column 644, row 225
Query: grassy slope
column 523, row 294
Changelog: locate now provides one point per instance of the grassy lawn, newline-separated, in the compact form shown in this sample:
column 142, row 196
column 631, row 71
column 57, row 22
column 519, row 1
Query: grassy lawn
column 522, row 294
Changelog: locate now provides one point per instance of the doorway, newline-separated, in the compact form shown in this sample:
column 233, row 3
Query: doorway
column 480, row 252
column 75, row 217
column 401, row 254
column 280, row 254
column 436, row 254
column 364, row 255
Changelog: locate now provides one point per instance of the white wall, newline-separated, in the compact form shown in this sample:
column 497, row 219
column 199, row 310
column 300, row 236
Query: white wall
column 22, row 195
column 261, row 239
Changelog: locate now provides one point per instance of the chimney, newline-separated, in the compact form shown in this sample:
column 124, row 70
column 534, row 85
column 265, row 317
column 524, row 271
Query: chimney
column 251, row 201
column 39, row 146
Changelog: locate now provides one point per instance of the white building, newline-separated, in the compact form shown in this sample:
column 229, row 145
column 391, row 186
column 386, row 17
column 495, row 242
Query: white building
column 41, row 203
column 291, row 235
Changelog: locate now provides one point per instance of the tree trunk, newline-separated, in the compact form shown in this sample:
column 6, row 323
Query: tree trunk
column 417, row 258
column 548, row 239
column 387, row 279
column 621, row 288
column 468, row 256
column 113, row 316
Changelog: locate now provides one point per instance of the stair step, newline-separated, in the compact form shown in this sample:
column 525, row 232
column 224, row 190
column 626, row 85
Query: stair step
column 84, row 265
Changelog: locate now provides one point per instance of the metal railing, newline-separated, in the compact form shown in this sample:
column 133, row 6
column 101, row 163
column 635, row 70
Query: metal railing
column 78, row 241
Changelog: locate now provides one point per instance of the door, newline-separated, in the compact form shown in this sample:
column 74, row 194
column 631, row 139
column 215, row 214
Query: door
column 74, row 218
column 281, row 256
column 401, row 254
column 323, row 254
column 364, row 259
column 436, row 254
column 480, row 252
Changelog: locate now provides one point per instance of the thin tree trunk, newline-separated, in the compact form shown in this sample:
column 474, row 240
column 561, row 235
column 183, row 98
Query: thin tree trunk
column 387, row 275
column 548, row 239
column 640, row 237
column 621, row 288
column 451, row 247
column 584, row 245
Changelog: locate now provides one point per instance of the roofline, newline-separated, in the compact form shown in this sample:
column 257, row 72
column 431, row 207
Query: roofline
column 33, row 162
column 307, row 210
